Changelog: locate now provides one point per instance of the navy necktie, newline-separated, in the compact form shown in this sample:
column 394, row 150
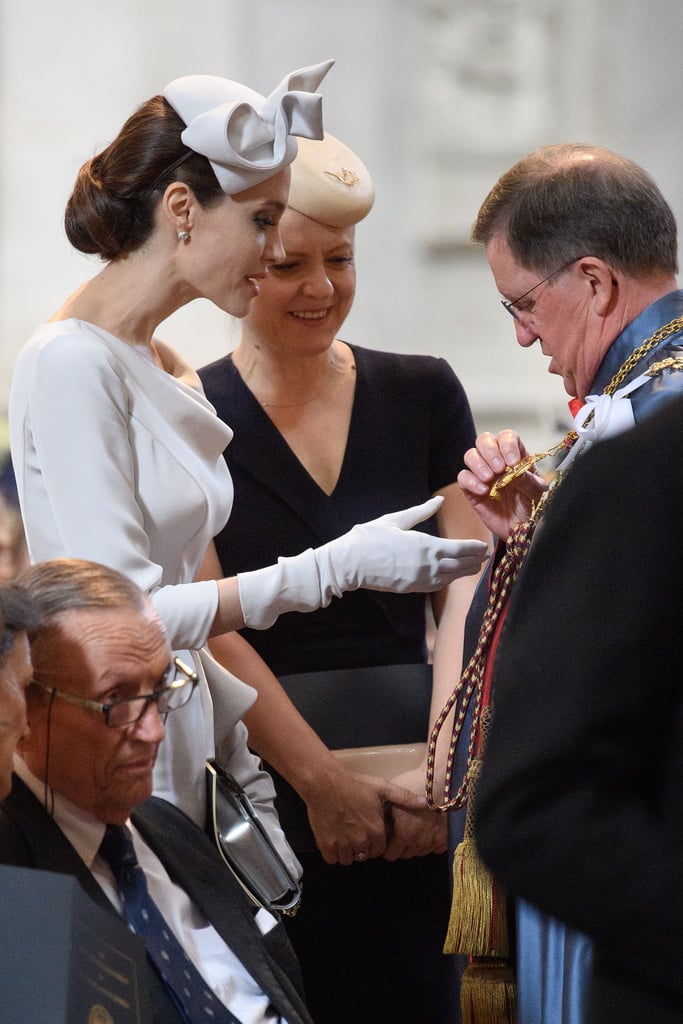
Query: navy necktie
column 191, row 994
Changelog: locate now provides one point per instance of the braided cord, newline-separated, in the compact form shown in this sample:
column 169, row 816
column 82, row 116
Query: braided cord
column 472, row 680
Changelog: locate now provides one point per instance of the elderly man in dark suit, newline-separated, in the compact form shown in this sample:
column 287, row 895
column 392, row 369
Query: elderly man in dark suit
column 103, row 681
column 579, row 803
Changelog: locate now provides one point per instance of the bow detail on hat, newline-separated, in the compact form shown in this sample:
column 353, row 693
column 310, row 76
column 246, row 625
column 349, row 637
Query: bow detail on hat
column 247, row 137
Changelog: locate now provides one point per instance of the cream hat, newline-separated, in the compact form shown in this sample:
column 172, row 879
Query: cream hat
column 246, row 137
column 329, row 183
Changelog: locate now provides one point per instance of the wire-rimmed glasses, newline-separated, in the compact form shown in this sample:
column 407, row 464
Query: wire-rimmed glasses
column 117, row 713
column 511, row 306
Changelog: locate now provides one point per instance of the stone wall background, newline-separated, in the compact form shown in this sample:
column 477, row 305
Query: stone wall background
column 437, row 96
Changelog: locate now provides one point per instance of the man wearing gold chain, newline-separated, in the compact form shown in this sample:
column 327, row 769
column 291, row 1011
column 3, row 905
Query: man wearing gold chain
column 583, row 248
column 580, row 798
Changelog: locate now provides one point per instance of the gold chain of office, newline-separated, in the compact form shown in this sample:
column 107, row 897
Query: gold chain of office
column 622, row 373
column 513, row 472
column 619, row 377
column 664, row 332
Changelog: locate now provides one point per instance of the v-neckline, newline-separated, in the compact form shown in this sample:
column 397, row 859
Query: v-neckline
column 262, row 414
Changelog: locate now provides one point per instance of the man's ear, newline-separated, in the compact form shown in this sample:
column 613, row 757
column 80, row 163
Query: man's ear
column 36, row 702
column 602, row 283
column 24, row 741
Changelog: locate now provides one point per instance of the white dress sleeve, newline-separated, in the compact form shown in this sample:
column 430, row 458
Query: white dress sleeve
column 79, row 454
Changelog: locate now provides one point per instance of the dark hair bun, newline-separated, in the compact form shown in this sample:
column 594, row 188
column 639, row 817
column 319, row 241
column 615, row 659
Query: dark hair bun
column 111, row 209
column 96, row 221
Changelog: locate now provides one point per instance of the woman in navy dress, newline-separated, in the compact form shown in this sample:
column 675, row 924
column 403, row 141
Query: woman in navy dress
column 328, row 434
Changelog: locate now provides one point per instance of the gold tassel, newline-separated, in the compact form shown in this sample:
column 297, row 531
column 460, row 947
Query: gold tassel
column 478, row 922
column 478, row 919
column 488, row 993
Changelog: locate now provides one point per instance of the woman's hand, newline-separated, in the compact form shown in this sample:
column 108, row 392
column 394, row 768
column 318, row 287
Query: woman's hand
column 349, row 814
column 485, row 463
column 384, row 554
column 415, row 832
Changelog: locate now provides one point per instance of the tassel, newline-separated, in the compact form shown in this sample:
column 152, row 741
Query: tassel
column 487, row 993
column 478, row 919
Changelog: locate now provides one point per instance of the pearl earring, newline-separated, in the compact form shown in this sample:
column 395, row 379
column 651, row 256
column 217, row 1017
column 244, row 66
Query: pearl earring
column 183, row 236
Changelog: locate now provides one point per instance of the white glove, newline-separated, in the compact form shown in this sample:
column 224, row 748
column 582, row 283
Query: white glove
column 385, row 554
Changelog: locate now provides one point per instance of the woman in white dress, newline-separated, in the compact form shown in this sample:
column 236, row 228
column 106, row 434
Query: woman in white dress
column 118, row 454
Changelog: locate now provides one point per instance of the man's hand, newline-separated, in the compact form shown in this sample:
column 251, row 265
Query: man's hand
column 485, row 463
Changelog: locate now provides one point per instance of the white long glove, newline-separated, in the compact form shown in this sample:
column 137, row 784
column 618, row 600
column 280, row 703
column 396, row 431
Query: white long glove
column 385, row 554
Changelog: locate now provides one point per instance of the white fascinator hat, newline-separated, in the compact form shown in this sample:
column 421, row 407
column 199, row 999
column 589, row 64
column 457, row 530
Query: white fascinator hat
column 246, row 137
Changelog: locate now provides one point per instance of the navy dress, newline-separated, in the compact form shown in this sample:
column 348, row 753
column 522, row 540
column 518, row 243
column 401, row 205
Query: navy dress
column 379, row 926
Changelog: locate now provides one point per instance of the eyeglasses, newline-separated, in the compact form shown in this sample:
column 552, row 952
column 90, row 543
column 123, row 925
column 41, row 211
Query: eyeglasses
column 510, row 306
column 175, row 694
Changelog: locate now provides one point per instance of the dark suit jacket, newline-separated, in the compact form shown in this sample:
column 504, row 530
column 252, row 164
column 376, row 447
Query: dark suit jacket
column 580, row 803
column 30, row 838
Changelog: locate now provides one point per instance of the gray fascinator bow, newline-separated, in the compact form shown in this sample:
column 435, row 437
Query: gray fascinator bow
column 246, row 137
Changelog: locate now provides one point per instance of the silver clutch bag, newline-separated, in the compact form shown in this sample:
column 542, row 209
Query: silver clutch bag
column 245, row 846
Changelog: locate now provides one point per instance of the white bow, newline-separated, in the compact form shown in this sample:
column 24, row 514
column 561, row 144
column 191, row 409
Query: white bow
column 248, row 137
column 603, row 416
